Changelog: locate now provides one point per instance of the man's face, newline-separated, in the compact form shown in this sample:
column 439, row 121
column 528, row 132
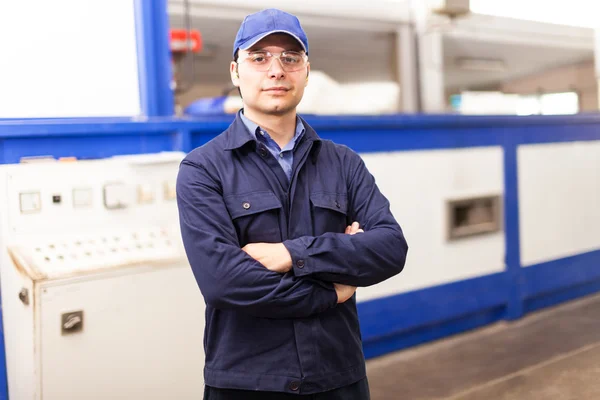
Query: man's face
column 272, row 92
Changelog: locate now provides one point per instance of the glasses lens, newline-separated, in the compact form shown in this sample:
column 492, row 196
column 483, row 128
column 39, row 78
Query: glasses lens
column 259, row 59
column 290, row 60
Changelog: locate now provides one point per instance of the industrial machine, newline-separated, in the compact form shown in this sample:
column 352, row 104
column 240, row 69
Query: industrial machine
column 98, row 299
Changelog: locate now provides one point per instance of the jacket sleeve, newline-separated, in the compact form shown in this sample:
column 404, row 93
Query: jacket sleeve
column 228, row 277
column 362, row 259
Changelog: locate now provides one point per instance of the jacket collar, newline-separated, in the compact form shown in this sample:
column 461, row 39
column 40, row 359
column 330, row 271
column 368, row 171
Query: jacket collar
column 237, row 136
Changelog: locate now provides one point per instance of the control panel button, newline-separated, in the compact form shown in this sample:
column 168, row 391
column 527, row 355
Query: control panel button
column 117, row 195
column 82, row 197
column 145, row 194
column 169, row 188
column 30, row 202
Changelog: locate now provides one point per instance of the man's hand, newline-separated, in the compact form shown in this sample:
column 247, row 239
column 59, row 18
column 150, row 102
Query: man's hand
column 274, row 256
column 353, row 229
column 344, row 292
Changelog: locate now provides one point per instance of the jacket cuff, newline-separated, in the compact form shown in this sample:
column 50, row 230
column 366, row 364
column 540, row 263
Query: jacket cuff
column 300, row 260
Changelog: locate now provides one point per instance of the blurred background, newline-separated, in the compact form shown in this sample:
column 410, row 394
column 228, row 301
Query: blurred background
column 467, row 57
column 478, row 119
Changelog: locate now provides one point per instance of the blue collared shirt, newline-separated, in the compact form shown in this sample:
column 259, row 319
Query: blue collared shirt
column 285, row 156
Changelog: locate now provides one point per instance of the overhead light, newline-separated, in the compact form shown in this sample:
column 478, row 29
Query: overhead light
column 481, row 64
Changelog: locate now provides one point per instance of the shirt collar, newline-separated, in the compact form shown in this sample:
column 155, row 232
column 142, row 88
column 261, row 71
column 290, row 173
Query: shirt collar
column 238, row 134
column 254, row 129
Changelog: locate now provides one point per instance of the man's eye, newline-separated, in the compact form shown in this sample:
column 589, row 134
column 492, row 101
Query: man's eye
column 258, row 59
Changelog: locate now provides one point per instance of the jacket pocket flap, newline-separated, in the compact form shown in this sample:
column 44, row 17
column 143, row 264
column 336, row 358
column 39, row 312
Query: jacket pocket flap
column 333, row 201
column 240, row 205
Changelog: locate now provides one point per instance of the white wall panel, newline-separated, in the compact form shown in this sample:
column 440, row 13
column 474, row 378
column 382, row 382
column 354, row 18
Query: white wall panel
column 559, row 200
column 418, row 183
column 68, row 58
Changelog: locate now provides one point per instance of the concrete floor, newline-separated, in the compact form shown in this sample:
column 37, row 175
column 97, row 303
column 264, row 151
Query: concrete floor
column 553, row 354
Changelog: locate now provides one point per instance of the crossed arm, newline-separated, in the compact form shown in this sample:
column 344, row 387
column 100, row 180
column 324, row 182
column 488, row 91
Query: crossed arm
column 276, row 257
column 355, row 260
column 264, row 279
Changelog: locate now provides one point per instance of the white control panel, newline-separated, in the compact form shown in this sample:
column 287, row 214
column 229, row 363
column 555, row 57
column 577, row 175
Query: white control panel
column 86, row 196
column 94, row 277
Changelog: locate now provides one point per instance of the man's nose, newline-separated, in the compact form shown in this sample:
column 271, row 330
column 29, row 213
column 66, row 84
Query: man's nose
column 276, row 69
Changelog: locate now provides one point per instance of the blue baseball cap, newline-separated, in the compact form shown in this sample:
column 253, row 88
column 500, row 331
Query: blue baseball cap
column 266, row 22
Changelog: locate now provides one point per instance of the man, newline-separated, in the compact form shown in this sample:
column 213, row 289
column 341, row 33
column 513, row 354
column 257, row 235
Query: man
column 270, row 220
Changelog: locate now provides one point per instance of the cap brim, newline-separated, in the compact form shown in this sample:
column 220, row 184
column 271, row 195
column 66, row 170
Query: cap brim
column 252, row 41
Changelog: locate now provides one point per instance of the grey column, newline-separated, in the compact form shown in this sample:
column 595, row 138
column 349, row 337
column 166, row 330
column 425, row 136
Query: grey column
column 406, row 62
column 431, row 72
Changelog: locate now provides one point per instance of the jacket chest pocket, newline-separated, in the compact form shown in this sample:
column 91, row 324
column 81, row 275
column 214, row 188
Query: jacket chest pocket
column 329, row 212
column 255, row 216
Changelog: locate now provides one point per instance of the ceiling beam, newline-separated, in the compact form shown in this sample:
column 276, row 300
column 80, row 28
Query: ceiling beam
column 310, row 12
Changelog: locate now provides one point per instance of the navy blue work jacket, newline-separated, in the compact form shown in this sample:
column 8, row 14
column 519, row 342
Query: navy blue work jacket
column 271, row 331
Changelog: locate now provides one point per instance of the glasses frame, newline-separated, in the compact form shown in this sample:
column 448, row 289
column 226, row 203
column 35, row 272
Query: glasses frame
column 274, row 56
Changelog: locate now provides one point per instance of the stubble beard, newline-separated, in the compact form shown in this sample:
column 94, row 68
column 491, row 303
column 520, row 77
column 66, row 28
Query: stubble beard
column 279, row 109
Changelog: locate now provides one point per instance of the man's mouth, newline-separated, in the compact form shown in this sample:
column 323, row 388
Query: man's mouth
column 277, row 89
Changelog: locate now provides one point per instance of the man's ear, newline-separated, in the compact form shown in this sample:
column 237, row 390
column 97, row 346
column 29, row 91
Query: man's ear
column 307, row 73
column 233, row 72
